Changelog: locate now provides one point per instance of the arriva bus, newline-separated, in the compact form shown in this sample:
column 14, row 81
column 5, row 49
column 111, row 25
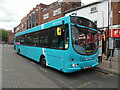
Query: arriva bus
column 68, row 44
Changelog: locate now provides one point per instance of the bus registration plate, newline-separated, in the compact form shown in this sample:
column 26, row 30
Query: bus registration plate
column 86, row 67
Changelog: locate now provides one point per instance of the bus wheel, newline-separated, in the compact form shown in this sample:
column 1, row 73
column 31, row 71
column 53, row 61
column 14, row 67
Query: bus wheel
column 43, row 62
column 18, row 51
column 100, row 59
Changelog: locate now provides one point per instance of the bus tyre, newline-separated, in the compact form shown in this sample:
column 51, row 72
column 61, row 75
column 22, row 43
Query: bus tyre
column 14, row 47
column 100, row 59
column 18, row 51
column 43, row 62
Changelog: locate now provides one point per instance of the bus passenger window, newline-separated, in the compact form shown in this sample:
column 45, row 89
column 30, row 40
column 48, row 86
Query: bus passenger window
column 28, row 39
column 22, row 39
column 57, row 40
column 18, row 39
column 35, row 38
column 43, row 38
column 60, row 40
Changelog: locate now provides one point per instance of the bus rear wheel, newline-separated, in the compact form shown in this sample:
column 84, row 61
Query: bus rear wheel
column 43, row 62
column 18, row 51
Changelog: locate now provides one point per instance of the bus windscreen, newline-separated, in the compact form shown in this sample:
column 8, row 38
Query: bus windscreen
column 83, row 22
column 85, row 41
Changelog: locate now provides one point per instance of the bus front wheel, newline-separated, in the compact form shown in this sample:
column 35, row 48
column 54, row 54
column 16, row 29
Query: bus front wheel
column 99, row 59
column 43, row 62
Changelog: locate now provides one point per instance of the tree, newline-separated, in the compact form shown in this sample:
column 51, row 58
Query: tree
column 3, row 35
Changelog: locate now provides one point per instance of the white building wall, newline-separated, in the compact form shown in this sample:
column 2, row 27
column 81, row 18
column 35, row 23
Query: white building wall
column 101, row 15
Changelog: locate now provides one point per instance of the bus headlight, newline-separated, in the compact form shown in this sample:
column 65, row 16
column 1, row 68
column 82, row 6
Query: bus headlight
column 74, row 65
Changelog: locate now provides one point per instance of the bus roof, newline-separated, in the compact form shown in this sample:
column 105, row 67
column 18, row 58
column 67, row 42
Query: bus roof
column 46, row 25
column 53, row 23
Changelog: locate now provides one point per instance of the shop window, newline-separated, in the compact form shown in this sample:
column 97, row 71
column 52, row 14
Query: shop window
column 117, row 43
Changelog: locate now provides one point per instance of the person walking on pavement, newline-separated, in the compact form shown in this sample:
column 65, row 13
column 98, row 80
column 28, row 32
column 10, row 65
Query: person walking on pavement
column 108, row 54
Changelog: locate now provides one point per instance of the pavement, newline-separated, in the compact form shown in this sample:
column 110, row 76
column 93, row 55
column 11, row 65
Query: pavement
column 104, row 66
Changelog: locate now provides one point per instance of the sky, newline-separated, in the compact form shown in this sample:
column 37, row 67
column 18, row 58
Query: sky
column 12, row 11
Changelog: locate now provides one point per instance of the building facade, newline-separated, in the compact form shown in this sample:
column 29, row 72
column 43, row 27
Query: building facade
column 44, row 13
column 10, row 37
column 98, row 13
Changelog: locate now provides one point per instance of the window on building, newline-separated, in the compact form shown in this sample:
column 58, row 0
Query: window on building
column 118, row 11
column 74, row 5
column 45, row 16
column 74, row 13
column 57, row 12
column 95, row 22
column 36, row 17
column 33, row 19
column 93, row 9
column 117, row 43
column 23, row 25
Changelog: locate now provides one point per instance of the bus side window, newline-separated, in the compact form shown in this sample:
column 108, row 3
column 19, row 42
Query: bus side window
column 18, row 39
column 35, row 39
column 56, row 38
column 60, row 40
column 22, row 39
column 43, row 41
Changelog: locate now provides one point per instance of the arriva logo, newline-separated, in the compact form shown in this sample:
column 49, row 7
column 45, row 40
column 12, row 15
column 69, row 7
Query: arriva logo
column 57, row 22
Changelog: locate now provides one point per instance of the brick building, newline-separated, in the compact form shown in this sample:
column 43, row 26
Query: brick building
column 116, row 13
column 56, row 10
column 44, row 13
column 10, row 37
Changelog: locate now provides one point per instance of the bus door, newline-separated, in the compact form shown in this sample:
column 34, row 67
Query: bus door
column 59, row 43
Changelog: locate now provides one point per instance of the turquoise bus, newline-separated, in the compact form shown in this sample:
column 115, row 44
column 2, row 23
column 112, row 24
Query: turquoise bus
column 68, row 44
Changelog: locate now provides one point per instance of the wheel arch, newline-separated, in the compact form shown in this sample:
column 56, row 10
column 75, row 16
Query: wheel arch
column 42, row 56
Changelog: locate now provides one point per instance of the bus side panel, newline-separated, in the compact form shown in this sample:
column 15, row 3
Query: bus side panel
column 16, row 48
column 33, row 53
column 22, row 50
column 55, row 58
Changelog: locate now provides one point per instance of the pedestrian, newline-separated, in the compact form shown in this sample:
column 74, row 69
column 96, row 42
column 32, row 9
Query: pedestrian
column 108, row 54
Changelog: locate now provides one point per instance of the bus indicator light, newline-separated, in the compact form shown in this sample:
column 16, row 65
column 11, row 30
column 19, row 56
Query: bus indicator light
column 59, row 31
column 71, row 60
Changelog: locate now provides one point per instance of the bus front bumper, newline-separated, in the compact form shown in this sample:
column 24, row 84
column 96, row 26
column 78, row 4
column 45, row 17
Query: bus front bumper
column 81, row 65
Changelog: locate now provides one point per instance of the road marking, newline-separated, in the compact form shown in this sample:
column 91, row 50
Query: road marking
column 43, row 69
column 33, row 63
column 64, row 83
column 85, row 84
column 110, row 74
column 6, row 70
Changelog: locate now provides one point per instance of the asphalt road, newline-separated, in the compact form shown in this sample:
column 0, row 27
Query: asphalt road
column 21, row 72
